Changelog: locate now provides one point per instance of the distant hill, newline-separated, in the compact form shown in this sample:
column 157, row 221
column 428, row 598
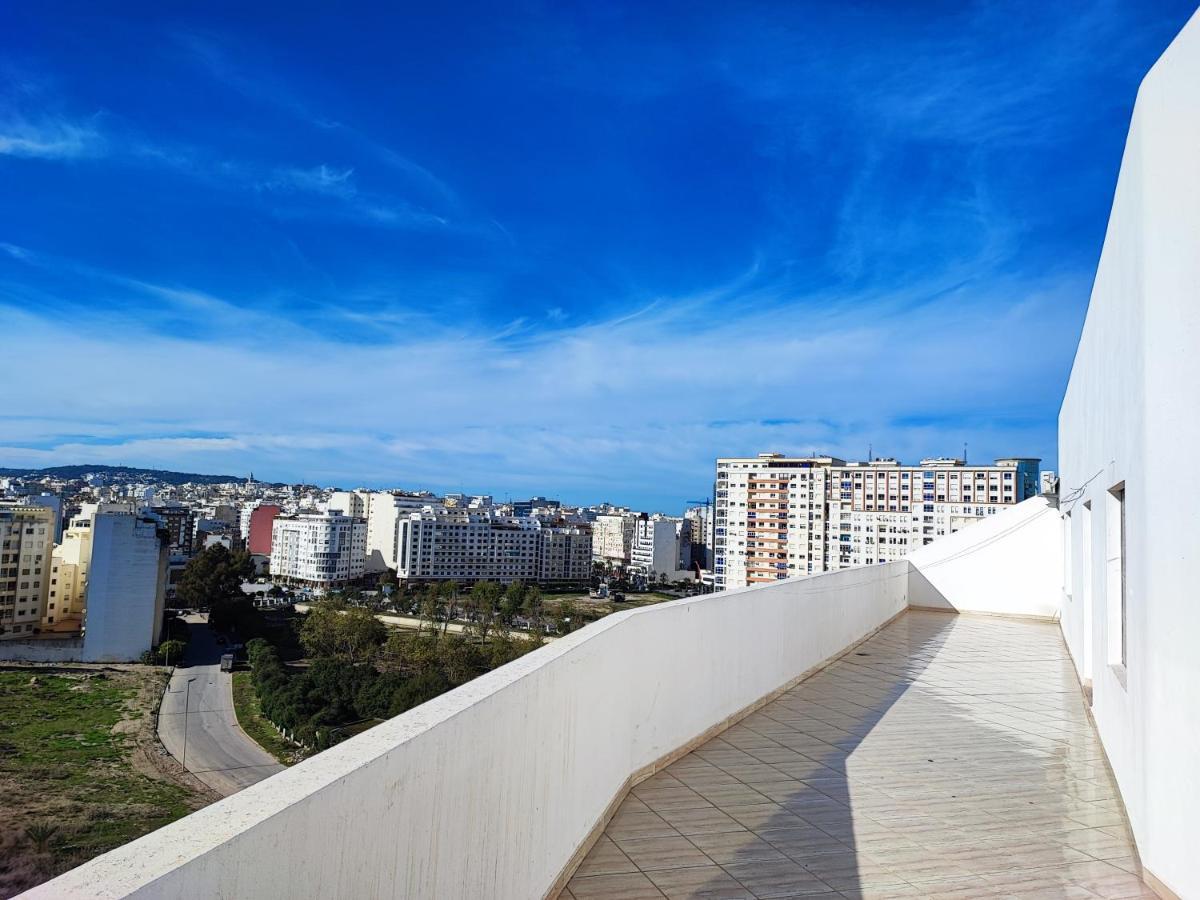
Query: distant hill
column 121, row 474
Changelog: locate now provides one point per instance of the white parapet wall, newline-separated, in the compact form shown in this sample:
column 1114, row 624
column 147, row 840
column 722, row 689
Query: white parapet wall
column 1007, row 564
column 491, row 789
column 1129, row 433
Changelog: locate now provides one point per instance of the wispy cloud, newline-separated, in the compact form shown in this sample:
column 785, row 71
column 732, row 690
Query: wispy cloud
column 527, row 410
column 49, row 138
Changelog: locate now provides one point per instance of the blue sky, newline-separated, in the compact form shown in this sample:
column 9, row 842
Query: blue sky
column 568, row 249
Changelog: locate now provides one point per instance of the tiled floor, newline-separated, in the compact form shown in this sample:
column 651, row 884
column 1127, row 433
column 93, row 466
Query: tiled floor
column 949, row 756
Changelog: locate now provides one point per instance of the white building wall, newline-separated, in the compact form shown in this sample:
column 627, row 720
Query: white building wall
column 1131, row 416
column 126, row 583
column 974, row 571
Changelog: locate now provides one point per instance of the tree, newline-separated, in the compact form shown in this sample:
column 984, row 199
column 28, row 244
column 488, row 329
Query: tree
column 353, row 635
column 513, row 602
column 531, row 606
column 448, row 599
column 485, row 597
column 429, row 606
column 171, row 652
column 213, row 575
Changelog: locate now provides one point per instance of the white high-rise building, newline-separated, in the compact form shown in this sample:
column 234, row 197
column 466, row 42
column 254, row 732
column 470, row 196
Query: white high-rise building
column 126, row 586
column 318, row 550
column 382, row 511
column 778, row 516
column 438, row 544
column 662, row 546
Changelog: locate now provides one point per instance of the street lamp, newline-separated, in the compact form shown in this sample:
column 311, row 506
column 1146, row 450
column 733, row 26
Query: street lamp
column 187, row 698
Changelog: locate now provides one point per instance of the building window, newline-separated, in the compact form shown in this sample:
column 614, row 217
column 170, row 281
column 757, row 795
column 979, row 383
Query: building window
column 1115, row 595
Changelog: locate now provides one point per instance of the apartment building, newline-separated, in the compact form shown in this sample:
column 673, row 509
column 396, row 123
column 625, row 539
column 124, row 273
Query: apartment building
column 26, row 544
column 382, row 511
column 258, row 527
column 662, row 546
column 69, row 565
column 612, row 537
column 320, row 550
column 126, row 586
column 777, row 517
column 439, row 544
column 180, row 524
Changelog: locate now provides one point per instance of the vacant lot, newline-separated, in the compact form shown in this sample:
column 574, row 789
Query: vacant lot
column 80, row 768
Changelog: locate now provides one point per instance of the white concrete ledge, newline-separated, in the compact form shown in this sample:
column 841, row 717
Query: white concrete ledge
column 489, row 790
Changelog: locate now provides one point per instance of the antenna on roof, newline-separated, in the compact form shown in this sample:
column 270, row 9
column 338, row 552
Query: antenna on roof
column 964, row 453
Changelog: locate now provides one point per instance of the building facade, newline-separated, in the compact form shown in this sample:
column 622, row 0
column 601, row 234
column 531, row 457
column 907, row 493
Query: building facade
column 126, row 586
column 438, row 544
column 258, row 528
column 612, row 538
column 776, row 517
column 662, row 546
column 26, row 545
column 318, row 550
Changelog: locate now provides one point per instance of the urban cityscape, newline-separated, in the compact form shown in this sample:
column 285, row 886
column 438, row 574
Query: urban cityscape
column 432, row 463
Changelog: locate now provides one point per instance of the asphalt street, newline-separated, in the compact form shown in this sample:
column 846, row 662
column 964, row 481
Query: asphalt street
column 204, row 736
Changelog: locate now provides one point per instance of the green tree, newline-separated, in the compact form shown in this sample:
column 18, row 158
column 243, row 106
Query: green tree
column 514, row 600
column 485, row 600
column 448, row 601
column 171, row 652
column 532, row 607
column 353, row 635
column 213, row 575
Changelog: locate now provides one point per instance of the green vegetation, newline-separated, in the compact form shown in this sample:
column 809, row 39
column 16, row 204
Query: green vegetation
column 359, row 673
column 76, row 769
column 256, row 725
column 213, row 578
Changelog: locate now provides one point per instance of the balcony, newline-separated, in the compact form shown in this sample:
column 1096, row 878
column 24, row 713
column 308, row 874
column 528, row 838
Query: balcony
column 947, row 756
column 819, row 734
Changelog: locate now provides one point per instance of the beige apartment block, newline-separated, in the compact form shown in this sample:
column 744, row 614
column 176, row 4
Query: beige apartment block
column 26, row 543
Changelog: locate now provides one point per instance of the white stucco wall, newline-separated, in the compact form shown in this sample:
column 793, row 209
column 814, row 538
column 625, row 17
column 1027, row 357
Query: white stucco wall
column 1006, row 564
column 124, row 592
column 488, row 790
column 1132, row 414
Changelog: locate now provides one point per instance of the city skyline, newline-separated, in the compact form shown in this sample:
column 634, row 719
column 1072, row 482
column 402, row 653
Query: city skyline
column 623, row 243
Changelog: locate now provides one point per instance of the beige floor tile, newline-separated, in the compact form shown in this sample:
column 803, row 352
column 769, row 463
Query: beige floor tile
column 709, row 882
column 948, row 756
column 663, row 853
column 614, row 887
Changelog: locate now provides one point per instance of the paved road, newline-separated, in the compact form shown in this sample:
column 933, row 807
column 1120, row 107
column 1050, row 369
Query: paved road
column 218, row 752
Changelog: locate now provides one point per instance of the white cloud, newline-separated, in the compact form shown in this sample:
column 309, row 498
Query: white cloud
column 49, row 138
column 631, row 409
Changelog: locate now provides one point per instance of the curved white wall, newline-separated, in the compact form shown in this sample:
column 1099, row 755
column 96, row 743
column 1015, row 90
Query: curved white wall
column 1132, row 414
column 1006, row 564
column 488, row 790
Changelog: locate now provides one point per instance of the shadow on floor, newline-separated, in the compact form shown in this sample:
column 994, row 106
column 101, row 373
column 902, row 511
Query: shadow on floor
column 948, row 756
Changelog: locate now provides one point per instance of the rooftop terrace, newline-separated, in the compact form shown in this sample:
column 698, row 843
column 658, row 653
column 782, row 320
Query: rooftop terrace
column 947, row 756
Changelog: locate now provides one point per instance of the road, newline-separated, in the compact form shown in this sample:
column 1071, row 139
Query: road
column 217, row 751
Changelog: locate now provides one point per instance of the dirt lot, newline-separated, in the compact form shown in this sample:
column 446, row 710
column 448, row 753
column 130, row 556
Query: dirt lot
column 81, row 770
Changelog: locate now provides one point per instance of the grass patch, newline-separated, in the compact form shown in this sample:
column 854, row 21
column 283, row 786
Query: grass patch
column 259, row 729
column 72, row 787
